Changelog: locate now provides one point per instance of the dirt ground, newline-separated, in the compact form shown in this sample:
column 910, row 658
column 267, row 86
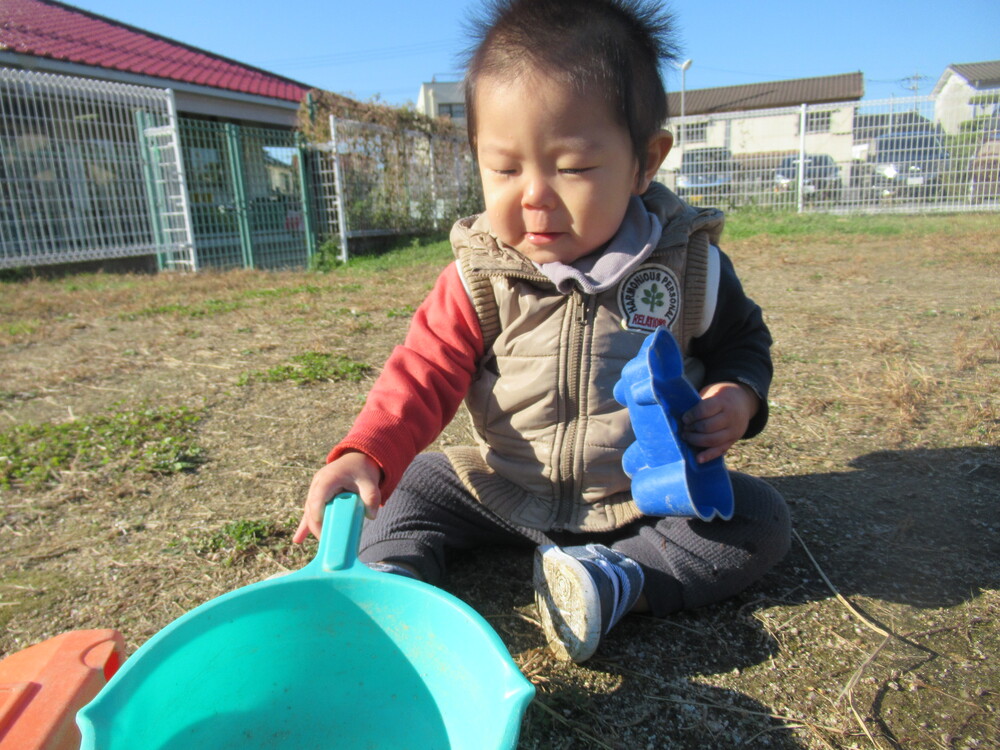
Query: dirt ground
column 881, row 628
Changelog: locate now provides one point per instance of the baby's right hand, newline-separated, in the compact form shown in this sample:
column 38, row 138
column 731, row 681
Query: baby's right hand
column 351, row 472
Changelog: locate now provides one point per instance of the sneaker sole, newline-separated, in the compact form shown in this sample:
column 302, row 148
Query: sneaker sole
column 568, row 604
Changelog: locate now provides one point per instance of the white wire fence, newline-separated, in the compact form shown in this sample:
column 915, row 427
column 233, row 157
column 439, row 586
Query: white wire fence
column 93, row 170
column 86, row 170
column 383, row 181
column 899, row 155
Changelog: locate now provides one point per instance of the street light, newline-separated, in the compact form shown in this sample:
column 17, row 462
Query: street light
column 680, row 131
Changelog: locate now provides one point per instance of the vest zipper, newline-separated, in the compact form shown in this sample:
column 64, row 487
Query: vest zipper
column 569, row 482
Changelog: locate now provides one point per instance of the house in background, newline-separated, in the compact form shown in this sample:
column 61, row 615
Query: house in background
column 967, row 91
column 161, row 144
column 53, row 37
column 762, row 121
column 442, row 99
column 732, row 117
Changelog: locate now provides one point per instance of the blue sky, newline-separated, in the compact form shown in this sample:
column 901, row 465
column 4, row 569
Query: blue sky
column 389, row 47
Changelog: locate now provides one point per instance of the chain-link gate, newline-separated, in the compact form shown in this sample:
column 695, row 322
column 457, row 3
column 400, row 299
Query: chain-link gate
column 246, row 187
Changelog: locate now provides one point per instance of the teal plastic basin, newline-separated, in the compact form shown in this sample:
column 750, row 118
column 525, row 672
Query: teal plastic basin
column 334, row 655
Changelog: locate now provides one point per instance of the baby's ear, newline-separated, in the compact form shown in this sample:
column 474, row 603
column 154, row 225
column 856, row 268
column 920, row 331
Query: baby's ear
column 656, row 151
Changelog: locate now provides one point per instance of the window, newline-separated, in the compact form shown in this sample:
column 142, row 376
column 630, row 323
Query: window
column 454, row 111
column 695, row 133
column 818, row 122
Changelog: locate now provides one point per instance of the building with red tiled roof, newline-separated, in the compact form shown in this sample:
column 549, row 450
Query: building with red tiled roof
column 54, row 37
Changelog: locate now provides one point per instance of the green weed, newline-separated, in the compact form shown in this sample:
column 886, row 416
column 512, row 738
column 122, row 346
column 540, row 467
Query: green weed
column 273, row 292
column 20, row 328
column 311, row 367
column 148, row 440
column 327, row 257
column 405, row 311
column 237, row 536
column 211, row 307
column 241, row 539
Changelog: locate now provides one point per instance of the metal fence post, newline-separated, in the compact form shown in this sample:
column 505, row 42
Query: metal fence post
column 338, row 181
column 801, row 174
column 305, row 187
column 152, row 199
column 182, row 193
column 434, row 203
column 239, row 192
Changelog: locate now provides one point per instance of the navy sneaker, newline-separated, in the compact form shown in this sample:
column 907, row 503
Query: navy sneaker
column 581, row 592
column 389, row 567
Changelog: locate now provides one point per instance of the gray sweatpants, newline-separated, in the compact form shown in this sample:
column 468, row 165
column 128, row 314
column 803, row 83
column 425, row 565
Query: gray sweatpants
column 687, row 563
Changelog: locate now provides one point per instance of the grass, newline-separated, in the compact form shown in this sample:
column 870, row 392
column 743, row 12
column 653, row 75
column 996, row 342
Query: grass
column 311, row 367
column 239, row 536
column 239, row 300
column 179, row 309
column 417, row 252
column 148, row 440
column 20, row 328
column 236, row 538
column 884, row 435
column 748, row 223
column 241, row 541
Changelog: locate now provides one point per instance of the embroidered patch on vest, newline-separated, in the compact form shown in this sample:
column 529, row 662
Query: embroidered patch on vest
column 648, row 298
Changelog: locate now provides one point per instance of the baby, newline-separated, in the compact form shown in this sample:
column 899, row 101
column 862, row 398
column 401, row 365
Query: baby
column 578, row 256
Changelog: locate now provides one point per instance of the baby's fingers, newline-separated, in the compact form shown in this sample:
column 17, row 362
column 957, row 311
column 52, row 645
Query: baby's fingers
column 302, row 532
column 705, row 409
column 711, row 453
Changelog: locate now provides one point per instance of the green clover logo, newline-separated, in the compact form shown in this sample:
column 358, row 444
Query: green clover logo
column 653, row 297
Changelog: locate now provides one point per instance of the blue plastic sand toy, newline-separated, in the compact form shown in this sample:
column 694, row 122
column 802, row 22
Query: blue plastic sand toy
column 332, row 656
column 666, row 479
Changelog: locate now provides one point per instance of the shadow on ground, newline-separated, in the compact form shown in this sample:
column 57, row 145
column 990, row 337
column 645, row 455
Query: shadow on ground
column 916, row 527
column 903, row 533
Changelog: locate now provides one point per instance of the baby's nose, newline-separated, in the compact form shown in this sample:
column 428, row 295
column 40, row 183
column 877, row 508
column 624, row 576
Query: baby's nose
column 538, row 193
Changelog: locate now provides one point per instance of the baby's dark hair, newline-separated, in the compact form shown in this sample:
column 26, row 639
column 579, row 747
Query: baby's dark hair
column 612, row 46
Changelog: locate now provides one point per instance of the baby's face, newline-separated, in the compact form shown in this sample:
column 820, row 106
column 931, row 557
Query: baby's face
column 557, row 170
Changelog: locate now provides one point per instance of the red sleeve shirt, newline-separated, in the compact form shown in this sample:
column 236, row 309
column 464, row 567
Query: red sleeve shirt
column 422, row 383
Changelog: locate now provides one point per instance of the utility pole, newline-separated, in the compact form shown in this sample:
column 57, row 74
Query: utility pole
column 913, row 83
column 680, row 131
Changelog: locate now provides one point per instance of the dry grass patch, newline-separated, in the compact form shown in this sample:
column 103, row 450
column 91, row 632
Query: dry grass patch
column 878, row 631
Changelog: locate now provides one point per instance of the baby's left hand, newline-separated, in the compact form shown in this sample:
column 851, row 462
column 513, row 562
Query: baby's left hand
column 719, row 419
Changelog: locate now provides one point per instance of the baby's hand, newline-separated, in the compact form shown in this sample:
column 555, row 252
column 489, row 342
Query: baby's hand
column 351, row 472
column 719, row 419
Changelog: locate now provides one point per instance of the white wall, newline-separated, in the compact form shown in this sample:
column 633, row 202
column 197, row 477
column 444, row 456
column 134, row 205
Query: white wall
column 951, row 107
column 770, row 132
column 439, row 92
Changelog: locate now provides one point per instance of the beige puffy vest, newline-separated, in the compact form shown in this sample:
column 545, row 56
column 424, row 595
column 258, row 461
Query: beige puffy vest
column 550, row 434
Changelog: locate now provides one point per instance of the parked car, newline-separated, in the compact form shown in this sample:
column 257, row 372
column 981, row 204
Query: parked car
column 706, row 173
column 820, row 178
column 984, row 173
column 911, row 164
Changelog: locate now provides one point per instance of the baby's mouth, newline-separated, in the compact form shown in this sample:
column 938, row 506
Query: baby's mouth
column 542, row 238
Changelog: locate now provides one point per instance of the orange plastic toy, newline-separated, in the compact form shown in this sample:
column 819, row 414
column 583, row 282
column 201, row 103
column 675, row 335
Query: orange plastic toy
column 43, row 686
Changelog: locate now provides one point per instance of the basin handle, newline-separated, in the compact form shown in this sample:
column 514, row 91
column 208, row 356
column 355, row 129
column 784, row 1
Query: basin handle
column 338, row 543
